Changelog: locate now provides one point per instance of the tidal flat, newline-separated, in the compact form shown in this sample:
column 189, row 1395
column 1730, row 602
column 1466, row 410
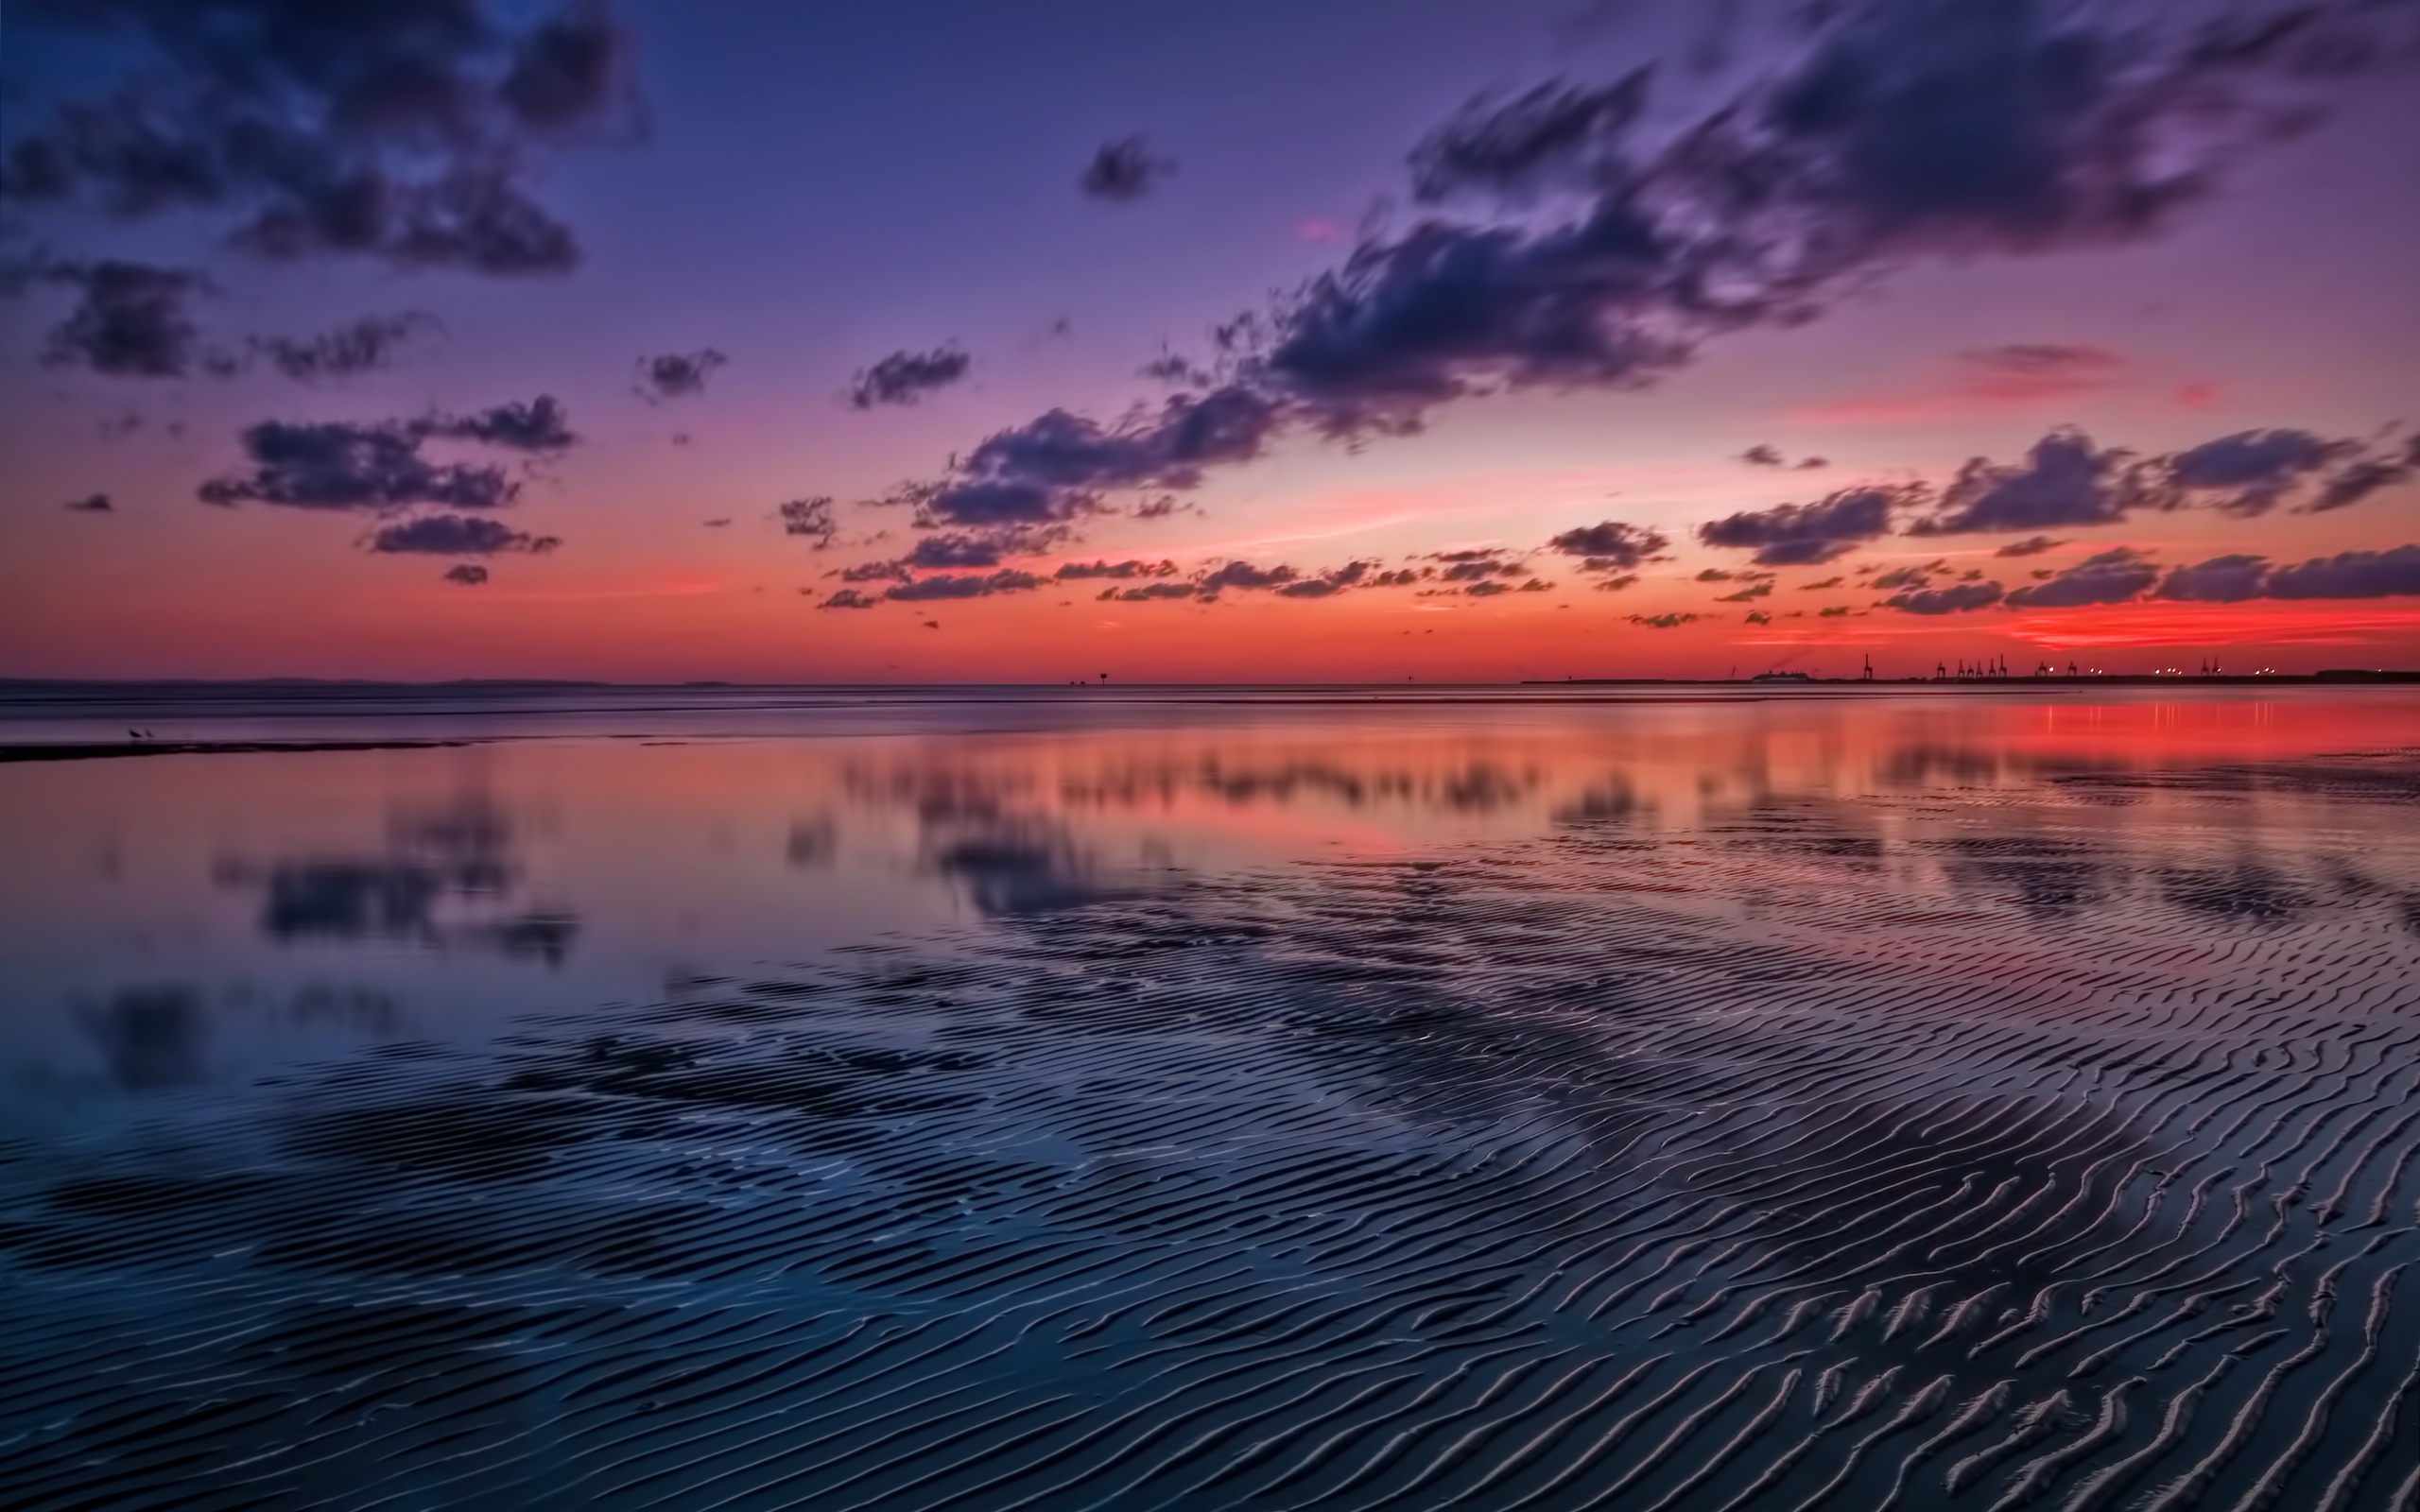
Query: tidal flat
column 1125, row 1101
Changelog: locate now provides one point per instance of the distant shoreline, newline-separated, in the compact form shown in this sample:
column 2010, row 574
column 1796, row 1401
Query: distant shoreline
column 2336, row 678
column 77, row 709
column 90, row 750
column 306, row 689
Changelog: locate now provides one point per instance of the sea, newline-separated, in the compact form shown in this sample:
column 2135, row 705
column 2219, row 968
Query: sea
column 1661, row 1097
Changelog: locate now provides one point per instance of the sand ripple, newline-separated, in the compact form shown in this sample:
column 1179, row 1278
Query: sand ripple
column 1771, row 1171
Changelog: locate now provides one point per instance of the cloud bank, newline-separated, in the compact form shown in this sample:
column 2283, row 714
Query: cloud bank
column 404, row 133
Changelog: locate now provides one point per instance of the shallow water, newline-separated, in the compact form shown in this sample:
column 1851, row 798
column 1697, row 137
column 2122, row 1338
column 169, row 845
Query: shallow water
column 1143, row 1101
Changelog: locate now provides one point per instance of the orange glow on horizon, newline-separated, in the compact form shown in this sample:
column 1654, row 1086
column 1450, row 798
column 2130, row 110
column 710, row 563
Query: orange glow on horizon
column 2245, row 624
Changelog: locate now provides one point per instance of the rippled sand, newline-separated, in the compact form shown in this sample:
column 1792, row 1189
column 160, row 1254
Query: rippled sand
column 1920, row 1151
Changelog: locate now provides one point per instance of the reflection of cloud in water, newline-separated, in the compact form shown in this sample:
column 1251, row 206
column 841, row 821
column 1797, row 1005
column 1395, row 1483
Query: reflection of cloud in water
column 1018, row 867
column 993, row 833
column 1612, row 797
column 2249, row 891
column 153, row 1037
column 159, row 1035
column 813, row 843
column 445, row 878
column 1925, row 765
column 1475, row 788
column 2046, row 876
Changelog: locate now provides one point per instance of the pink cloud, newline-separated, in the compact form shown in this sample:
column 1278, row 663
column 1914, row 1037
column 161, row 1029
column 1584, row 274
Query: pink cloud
column 1985, row 379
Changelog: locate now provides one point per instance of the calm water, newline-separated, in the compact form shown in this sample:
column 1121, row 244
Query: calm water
column 1139, row 1099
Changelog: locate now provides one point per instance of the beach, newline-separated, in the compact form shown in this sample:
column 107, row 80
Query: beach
column 1223, row 1102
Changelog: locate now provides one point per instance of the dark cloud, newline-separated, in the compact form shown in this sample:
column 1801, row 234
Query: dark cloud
column 2351, row 575
column 1182, row 371
column 1447, row 311
column 1663, row 622
column 933, row 552
column 1761, row 455
column 1068, row 571
column 1617, row 584
column 1334, row 581
column 811, row 517
column 1958, row 598
column 378, row 465
column 468, row 574
column 1504, row 145
column 456, row 535
column 967, row 586
column 1796, row 535
column 404, row 132
column 1282, row 580
column 1758, row 616
column 572, row 69
column 2030, row 546
column 1902, row 130
column 2362, row 478
column 1610, row 544
column 130, row 320
column 676, row 375
column 335, row 465
column 1476, row 566
column 2064, row 481
column 533, row 425
column 2246, row 474
column 1901, row 577
column 953, row 551
column 1754, row 590
column 2232, row 579
column 1124, row 170
column 92, row 504
column 1536, row 585
column 365, row 345
column 2229, row 580
column 1890, row 131
column 905, row 377
column 848, row 598
column 2108, row 577
column 1149, row 592
column 1053, row 470
column 1243, row 575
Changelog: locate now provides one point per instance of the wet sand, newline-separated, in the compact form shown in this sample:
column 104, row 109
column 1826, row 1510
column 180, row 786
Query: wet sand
column 1732, row 1166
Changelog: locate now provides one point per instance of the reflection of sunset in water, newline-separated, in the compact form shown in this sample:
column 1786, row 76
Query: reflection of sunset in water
column 464, row 884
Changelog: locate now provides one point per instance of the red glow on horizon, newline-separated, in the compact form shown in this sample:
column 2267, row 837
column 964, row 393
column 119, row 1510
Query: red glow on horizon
column 2243, row 625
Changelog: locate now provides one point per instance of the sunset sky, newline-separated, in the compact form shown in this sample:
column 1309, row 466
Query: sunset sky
column 1345, row 340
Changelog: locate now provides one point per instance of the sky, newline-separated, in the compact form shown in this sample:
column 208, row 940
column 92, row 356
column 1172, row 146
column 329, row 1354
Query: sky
column 1363, row 340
